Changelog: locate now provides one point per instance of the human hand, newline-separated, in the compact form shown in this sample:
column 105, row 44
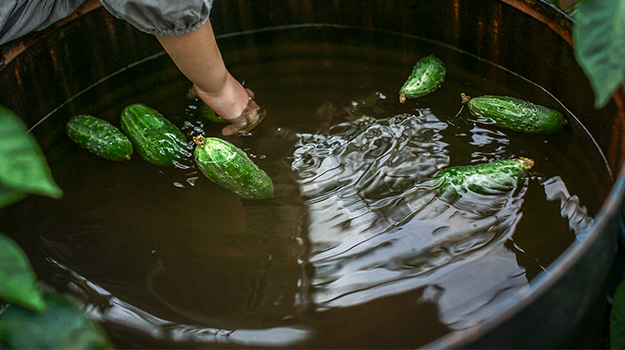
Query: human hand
column 197, row 56
column 249, row 118
column 243, row 122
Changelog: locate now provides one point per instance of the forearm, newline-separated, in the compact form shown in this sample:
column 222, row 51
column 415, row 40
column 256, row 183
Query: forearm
column 184, row 31
column 197, row 56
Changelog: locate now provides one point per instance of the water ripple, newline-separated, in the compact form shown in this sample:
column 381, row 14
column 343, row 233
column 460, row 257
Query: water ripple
column 377, row 228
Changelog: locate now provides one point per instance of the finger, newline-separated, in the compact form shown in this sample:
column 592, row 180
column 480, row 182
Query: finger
column 230, row 130
column 251, row 115
column 239, row 124
column 247, row 121
column 192, row 94
column 250, row 93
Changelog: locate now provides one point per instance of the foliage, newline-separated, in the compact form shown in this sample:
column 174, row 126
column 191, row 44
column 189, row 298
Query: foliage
column 599, row 39
column 19, row 283
column 32, row 320
column 63, row 326
column 23, row 167
column 599, row 35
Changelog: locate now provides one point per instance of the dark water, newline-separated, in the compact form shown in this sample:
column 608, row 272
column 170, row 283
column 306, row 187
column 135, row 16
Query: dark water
column 354, row 250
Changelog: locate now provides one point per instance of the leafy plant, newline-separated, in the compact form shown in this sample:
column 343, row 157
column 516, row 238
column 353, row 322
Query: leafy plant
column 19, row 284
column 23, row 167
column 32, row 319
column 599, row 40
column 599, row 35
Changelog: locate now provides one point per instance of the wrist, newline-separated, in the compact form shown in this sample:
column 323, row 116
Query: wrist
column 228, row 102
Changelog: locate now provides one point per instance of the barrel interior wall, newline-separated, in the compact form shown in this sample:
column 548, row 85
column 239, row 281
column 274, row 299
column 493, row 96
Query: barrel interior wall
column 68, row 60
column 561, row 312
column 492, row 30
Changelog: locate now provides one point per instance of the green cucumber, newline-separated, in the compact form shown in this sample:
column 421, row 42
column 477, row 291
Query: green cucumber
column 516, row 114
column 488, row 178
column 208, row 113
column 156, row 139
column 100, row 137
column 427, row 75
column 228, row 166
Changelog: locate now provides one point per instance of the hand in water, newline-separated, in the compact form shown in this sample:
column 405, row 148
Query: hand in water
column 197, row 56
column 248, row 119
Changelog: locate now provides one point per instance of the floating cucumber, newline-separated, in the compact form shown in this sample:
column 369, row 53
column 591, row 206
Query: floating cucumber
column 516, row 114
column 427, row 75
column 229, row 167
column 156, row 139
column 100, row 137
column 488, row 178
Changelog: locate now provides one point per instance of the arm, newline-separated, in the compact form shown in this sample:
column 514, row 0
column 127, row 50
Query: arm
column 197, row 56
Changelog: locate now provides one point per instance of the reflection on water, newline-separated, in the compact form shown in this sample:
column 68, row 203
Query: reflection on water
column 570, row 207
column 491, row 143
column 377, row 229
column 108, row 308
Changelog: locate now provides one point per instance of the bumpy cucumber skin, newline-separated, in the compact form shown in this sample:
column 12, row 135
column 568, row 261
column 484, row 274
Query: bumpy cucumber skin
column 229, row 167
column 488, row 178
column 516, row 114
column 208, row 113
column 427, row 75
column 155, row 138
column 100, row 137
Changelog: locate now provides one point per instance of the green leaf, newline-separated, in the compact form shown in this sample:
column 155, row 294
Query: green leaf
column 18, row 281
column 599, row 35
column 62, row 326
column 23, row 166
column 9, row 195
column 617, row 318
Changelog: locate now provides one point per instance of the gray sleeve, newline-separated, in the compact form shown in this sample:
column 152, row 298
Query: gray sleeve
column 20, row 17
column 161, row 17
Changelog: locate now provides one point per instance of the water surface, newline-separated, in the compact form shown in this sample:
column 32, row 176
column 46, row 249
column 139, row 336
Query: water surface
column 354, row 249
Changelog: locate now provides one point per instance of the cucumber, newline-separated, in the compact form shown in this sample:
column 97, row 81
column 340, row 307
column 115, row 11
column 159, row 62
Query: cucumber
column 488, row 178
column 228, row 166
column 516, row 114
column 100, row 137
column 156, row 139
column 427, row 75
column 208, row 113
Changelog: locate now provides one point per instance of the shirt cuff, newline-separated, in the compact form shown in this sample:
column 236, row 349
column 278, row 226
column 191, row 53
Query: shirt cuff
column 161, row 17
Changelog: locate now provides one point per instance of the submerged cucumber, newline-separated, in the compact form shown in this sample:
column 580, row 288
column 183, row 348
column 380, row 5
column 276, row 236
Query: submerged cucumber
column 156, row 139
column 100, row 137
column 495, row 177
column 427, row 75
column 516, row 114
column 229, row 167
column 208, row 113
